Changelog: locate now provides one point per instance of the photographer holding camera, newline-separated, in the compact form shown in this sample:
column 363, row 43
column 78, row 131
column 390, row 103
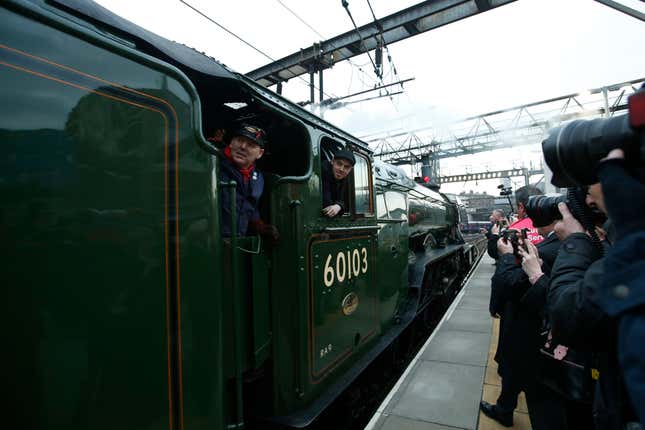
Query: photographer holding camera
column 592, row 299
column 523, row 221
column 623, row 290
column 521, row 311
column 496, row 217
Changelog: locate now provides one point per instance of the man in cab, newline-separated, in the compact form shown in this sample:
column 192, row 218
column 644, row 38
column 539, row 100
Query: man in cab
column 334, row 183
column 244, row 149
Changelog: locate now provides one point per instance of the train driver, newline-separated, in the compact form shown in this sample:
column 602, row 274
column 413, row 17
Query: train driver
column 334, row 182
column 244, row 149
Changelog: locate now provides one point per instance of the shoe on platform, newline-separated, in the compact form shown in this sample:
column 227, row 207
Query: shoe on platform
column 493, row 413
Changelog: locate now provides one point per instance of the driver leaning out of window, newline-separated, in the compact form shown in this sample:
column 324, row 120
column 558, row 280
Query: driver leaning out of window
column 334, row 183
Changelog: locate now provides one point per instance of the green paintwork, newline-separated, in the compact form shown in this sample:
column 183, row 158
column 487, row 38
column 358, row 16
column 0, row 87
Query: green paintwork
column 340, row 266
column 106, row 294
column 125, row 306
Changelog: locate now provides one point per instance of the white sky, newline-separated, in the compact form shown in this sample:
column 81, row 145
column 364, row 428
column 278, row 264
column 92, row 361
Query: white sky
column 519, row 53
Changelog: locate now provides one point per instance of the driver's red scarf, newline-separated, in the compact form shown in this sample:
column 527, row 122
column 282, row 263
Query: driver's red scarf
column 246, row 173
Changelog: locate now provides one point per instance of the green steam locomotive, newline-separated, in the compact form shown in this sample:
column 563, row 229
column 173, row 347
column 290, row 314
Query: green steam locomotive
column 124, row 306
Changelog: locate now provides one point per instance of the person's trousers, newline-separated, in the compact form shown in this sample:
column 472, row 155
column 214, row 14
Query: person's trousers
column 547, row 410
column 511, row 388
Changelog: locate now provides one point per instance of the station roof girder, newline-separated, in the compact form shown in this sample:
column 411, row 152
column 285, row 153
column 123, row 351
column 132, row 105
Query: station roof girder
column 425, row 16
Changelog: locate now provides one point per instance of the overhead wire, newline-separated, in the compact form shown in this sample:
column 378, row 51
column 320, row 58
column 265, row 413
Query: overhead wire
column 389, row 55
column 246, row 43
column 359, row 67
column 360, row 36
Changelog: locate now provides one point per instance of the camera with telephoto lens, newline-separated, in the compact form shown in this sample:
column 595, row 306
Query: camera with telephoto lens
column 543, row 210
column 512, row 235
column 573, row 150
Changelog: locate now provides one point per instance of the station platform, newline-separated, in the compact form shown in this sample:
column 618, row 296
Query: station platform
column 454, row 370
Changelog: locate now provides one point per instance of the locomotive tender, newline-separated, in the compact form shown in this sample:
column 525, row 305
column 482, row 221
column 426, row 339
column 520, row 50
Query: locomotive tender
column 125, row 307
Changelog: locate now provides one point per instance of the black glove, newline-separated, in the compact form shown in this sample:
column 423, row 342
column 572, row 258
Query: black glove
column 268, row 232
column 624, row 197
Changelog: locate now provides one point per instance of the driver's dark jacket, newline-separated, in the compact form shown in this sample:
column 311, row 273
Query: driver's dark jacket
column 334, row 190
column 247, row 196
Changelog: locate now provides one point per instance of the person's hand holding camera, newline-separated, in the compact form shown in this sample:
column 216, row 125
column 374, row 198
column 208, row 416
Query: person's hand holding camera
column 504, row 246
column 495, row 229
column 531, row 261
column 568, row 224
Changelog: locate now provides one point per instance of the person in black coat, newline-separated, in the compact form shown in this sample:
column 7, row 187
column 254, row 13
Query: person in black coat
column 578, row 321
column 495, row 218
column 623, row 289
column 246, row 146
column 519, row 343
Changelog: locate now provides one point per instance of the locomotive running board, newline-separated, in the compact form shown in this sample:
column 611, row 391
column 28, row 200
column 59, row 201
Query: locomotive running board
column 416, row 270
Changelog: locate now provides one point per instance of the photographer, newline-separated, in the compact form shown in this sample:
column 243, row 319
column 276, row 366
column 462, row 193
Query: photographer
column 496, row 217
column 562, row 383
column 523, row 221
column 623, row 290
column 582, row 295
column 574, row 313
column 521, row 311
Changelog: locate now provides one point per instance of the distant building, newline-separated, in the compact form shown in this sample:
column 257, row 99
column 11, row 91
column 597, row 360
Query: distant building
column 479, row 205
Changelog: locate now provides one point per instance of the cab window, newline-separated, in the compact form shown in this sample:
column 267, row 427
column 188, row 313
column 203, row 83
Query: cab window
column 362, row 186
column 359, row 191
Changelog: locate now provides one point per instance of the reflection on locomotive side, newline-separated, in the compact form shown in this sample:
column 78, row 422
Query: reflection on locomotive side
column 127, row 307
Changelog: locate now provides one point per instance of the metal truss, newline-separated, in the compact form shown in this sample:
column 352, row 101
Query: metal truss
column 497, row 174
column 425, row 16
column 516, row 126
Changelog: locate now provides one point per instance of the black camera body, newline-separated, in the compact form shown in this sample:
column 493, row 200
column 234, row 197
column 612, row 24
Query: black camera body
column 502, row 224
column 543, row 210
column 572, row 151
column 512, row 235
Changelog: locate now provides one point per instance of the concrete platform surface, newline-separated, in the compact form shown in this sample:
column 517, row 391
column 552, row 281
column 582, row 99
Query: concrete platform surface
column 453, row 371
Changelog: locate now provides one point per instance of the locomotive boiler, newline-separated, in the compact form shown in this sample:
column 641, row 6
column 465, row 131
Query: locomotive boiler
column 125, row 306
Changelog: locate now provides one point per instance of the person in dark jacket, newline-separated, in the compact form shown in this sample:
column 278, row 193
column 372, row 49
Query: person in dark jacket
column 244, row 149
column 623, row 289
column 522, row 312
column 334, row 183
column 578, row 321
column 495, row 218
column 522, row 195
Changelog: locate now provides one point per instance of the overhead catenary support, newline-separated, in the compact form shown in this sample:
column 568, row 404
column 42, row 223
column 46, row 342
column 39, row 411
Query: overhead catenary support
column 311, row 84
column 624, row 9
column 425, row 16
column 320, row 86
column 336, row 99
column 494, row 174
column 519, row 125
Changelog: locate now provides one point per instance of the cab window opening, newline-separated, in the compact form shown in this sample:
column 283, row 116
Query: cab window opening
column 362, row 186
column 286, row 149
column 358, row 199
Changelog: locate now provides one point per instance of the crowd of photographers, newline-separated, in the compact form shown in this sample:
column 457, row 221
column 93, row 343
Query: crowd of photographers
column 569, row 289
